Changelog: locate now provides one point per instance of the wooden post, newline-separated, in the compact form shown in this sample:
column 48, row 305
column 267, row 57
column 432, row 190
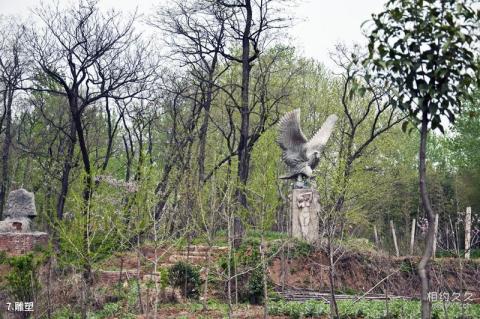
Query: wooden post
column 435, row 231
column 412, row 236
column 446, row 236
column 468, row 229
column 394, row 238
column 376, row 235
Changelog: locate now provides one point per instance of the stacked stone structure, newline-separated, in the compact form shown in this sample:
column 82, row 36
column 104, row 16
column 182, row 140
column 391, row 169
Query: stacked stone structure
column 16, row 235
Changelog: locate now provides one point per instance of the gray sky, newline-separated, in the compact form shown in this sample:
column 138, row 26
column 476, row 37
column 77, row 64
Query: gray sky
column 322, row 23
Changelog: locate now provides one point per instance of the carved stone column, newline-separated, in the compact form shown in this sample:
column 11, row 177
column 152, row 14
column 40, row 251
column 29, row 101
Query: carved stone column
column 305, row 207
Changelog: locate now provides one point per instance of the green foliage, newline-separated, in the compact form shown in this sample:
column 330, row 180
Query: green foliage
column 267, row 235
column 295, row 248
column 381, row 186
column 247, row 260
column 369, row 309
column 22, row 280
column 461, row 150
column 255, row 293
column 248, row 254
column 164, row 274
column 185, row 277
column 426, row 49
column 474, row 253
column 65, row 312
column 358, row 244
column 251, row 286
column 297, row 310
column 131, row 294
column 464, row 143
column 407, row 267
column 109, row 310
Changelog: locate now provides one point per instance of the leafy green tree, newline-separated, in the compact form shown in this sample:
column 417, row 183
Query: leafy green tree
column 462, row 152
column 464, row 144
column 427, row 50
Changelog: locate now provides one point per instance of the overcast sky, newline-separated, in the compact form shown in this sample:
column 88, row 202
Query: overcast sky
column 321, row 23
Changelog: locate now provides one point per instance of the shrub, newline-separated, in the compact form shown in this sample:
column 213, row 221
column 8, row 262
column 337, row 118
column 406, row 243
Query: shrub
column 185, row 277
column 407, row 267
column 248, row 262
column 22, row 280
column 296, row 248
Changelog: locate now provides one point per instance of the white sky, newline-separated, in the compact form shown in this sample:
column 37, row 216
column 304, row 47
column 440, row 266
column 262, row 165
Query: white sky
column 321, row 24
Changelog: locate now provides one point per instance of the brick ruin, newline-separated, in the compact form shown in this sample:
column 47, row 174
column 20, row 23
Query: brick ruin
column 16, row 235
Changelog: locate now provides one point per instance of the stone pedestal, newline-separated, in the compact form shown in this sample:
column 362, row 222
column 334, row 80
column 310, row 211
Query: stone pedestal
column 305, row 207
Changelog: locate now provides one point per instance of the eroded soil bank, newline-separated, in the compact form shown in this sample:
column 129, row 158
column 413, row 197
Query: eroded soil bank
column 357, row 273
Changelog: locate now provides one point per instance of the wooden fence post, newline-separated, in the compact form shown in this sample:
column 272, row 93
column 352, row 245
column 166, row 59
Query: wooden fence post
column 412, row 236
column 468, row 229
column 435, row 231
column 394, row 238
column 376, row 235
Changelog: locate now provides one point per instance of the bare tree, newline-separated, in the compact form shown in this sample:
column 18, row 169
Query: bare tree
column 13, row 64
column 196, row 35
column 91, row 56
column 366, row 108
column 367, row 114
column 58, row 138
column 112, row 127
column 178, row 123
column 250, row 25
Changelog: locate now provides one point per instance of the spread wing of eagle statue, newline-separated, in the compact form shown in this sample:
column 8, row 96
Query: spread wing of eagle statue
column 299, row 154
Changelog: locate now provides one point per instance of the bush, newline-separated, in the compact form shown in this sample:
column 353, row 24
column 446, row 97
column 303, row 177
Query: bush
column 248, row 262
column 255, row 287
column 407, row 267
column 22, row 280
column 185, row 277
column 296, row 248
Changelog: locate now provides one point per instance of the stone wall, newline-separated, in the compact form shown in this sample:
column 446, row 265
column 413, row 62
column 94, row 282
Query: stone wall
column 15, row 244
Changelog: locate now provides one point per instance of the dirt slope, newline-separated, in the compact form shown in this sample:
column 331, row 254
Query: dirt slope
column 357, row 273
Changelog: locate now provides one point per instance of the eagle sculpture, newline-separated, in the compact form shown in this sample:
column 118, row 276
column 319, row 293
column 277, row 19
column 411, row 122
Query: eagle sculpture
column 299, row 154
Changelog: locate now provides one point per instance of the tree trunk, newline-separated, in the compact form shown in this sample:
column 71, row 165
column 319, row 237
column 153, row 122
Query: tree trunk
column 412, row 236
column 8, row 100
column 128, row 165
column 468, row 231
column 111, row 130
column 243, row 151
column 264, row 278
column 206, row 119
column 207, row 272
column 331, row 277
column 67, row 167
column 423, row 267
column 86, row 196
